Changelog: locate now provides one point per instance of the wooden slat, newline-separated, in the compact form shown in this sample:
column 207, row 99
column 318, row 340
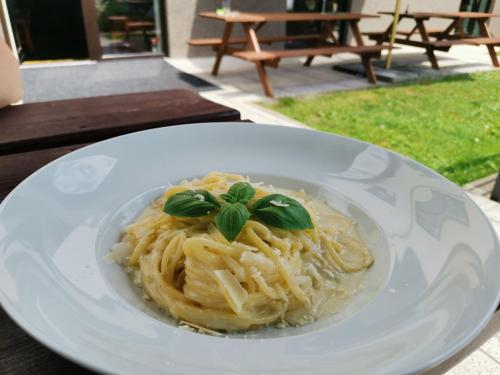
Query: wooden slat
column 456, row 15
column 262, row 39
column 270, row 55
column 431, row 32
column 449, row 42
column 493, row 41
column 447, row 15
column 42, row 125
column 285, row 17
column 404, row 15
column 418, row 43
column 377, row 34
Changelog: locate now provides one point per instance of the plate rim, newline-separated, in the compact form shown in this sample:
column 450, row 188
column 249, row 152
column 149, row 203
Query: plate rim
column 106, row 367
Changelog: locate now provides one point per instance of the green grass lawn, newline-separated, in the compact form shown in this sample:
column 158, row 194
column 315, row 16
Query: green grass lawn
column 451, row 125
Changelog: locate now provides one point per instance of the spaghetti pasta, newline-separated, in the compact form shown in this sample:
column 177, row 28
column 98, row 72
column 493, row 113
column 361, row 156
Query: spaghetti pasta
column 266, row 275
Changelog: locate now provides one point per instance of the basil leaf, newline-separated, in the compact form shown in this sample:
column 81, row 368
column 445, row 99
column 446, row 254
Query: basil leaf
column 228, row 198
column 208, row 197
column 282, row 212
column 240, row 192
column 231, row 219
column 190, row 204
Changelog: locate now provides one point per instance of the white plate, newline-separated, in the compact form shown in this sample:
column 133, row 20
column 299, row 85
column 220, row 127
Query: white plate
column 435, row 280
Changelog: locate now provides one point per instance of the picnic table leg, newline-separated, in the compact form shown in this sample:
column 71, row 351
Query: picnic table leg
column 266, row 85
column 356, row 33
column 327, row 31
column 485, row 32
column 370, row 72
column 309, row 61
column 253, row 45
column 222, row 48
column 429, row 49
column 455, row 25
column 365, row 59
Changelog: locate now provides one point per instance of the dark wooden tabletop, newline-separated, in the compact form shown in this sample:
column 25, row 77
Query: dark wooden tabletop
column 57, row 123
column 33, row 135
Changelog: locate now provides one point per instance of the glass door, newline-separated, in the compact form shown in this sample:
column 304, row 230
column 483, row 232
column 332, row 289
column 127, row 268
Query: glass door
column 129, row 27
column 316, row 6
column 48, row 30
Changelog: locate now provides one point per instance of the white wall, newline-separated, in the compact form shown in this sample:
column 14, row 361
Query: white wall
column 378, row 24
column 183, row 22
column 495, row 22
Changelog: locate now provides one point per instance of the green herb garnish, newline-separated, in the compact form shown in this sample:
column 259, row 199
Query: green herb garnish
column 240, row 192
column 282, row 212
column 231, row 219
column 276, row 210
column 191, row 204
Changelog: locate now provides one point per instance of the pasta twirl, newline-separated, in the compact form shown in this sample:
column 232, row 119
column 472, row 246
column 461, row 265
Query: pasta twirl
column 265, row 276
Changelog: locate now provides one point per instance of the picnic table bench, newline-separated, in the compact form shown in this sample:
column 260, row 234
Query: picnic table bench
column 325, row 44
column 444, row 39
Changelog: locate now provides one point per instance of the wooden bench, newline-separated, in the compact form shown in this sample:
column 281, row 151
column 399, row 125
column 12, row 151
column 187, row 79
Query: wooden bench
column 448, row 42
column 384, row 35
column 272, row 58
column 430, row 32
column 492, row 41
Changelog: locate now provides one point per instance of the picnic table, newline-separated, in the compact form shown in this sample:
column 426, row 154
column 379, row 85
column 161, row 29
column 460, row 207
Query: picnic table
column 249, row 48
column 441, row 39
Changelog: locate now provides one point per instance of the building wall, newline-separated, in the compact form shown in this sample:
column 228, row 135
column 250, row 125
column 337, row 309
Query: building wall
column 183, row 22
column 495, row 22
column 378, row 24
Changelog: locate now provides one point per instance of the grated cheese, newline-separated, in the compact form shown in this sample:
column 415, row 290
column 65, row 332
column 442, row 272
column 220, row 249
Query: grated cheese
column 279, row 203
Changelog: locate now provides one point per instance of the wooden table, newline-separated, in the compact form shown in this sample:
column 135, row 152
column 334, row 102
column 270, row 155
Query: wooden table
column 250, row 47
column 31, row 135
column 442, row 40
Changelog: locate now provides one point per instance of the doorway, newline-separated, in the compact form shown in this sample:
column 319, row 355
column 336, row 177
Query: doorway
column 130, row 27
column 316, row 6
column 51, row 30
column 48, row 30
